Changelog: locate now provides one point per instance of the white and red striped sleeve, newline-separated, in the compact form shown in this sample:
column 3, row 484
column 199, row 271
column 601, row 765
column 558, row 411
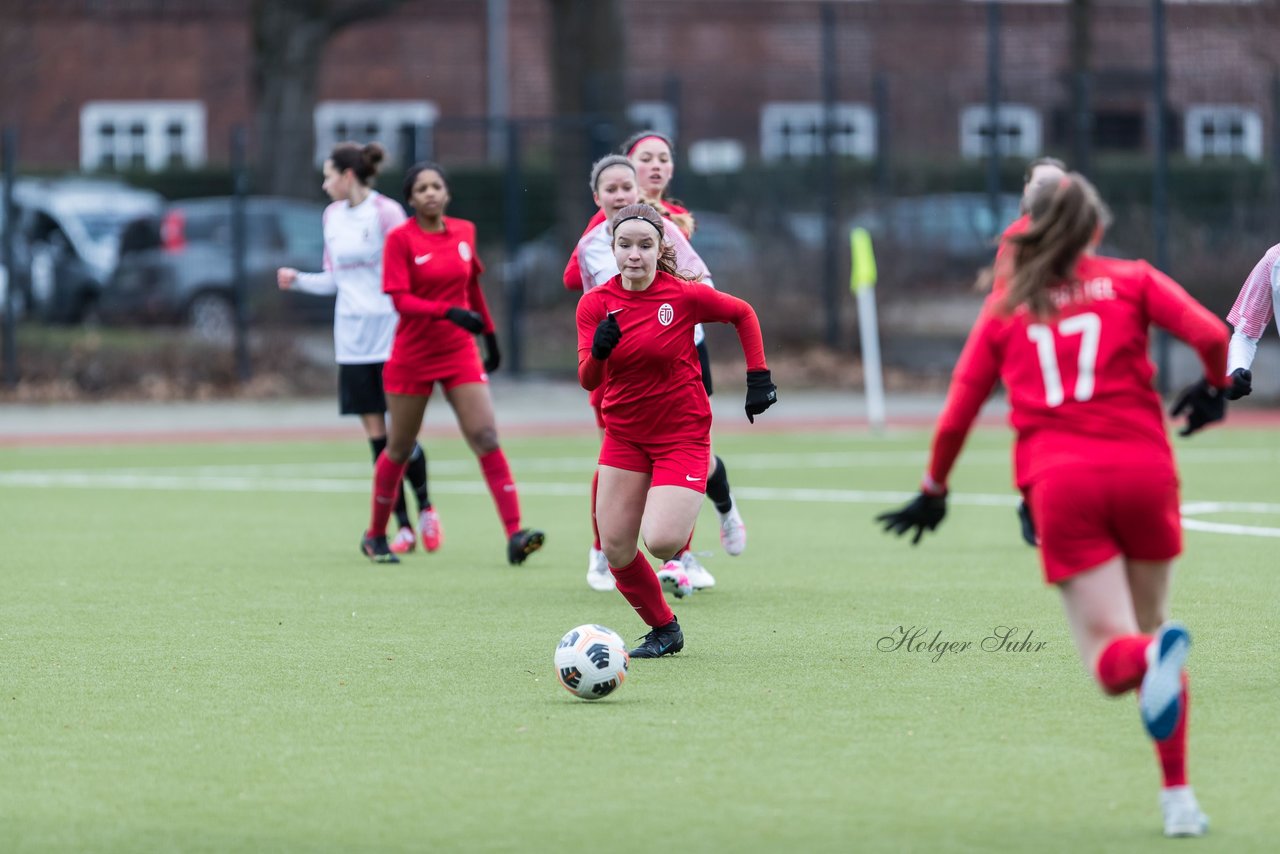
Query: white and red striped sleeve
column 1254, row 308
column 390, row 214
column 1256, row 303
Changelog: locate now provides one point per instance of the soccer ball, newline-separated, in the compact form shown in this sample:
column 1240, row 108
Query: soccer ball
column 591, row 661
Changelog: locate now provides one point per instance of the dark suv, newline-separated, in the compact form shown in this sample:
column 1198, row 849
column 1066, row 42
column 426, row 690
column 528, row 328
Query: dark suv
column 177, row 268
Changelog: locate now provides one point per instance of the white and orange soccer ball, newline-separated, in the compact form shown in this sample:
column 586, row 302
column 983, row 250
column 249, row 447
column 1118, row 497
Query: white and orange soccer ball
column 591, row 661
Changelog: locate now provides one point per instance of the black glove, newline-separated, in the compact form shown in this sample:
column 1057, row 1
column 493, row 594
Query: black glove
column 467, row 319
column 924, row 513
column 492, row 355
column 761, row 393
column 1241, row 384
column 608, row 334
column 1203, row 403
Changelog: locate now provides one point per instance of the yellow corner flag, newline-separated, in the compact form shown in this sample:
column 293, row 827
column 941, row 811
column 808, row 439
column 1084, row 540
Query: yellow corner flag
column 863, row 273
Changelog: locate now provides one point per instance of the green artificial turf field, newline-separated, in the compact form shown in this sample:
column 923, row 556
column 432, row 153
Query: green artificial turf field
column 193, row 657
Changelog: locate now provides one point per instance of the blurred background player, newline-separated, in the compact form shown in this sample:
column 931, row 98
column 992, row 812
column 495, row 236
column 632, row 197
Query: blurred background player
column 1069, row 339
column 432, row 272
column 364, row 320
column 1253, row 310
column 652, row 152
column 633, row 334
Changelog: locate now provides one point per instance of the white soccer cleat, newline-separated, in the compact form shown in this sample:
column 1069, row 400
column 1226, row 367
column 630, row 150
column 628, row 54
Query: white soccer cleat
column 698, row 575
column 598, row 575
column 675, row 580
column 404, row 542
column 1160, row 700
column 733, row 531
column 1182, row 815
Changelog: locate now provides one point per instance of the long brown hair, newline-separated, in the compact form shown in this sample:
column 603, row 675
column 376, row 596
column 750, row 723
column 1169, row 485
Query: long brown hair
column 666, row 250
column 684, row 221
column 1065, row 217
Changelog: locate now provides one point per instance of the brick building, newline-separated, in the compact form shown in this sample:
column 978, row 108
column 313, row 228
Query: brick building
column 105, row 83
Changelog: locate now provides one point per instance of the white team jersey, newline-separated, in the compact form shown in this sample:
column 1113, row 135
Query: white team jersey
column 364, row 321
column 598, row 265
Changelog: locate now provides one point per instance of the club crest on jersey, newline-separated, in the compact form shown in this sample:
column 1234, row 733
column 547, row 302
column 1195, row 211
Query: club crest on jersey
column 464, row 250
column 666, row 314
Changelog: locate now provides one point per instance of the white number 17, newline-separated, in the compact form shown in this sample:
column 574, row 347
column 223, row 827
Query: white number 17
column 1088, row 325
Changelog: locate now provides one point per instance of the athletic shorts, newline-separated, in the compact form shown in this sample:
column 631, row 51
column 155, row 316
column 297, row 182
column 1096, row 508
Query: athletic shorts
column 704, row 359
column 360, row 389
column 670, row 463
column 1086, row 515
column 404, row 379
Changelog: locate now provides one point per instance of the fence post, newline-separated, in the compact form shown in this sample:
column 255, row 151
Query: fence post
column 884, row 167
column 993, row 110
column 9, row 154
column 1160, row 178
column 830, row 180
column 513, row 234
column 239, row 246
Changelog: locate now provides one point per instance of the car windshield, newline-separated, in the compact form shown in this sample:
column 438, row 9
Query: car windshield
column 103, row 225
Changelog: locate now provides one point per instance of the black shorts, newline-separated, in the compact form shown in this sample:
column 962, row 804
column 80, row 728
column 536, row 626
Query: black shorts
column 705, row 360
column 360, row 390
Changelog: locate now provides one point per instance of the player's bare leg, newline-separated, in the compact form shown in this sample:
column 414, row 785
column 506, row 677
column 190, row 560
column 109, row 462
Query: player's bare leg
column 388, row 472
column 473, row 409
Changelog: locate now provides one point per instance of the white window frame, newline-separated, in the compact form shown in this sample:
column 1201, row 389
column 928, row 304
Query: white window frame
column 369, row 121
column 653, row 115
column 1199, row 147
column 154, row 146
column 975, row 118
column 859, row 141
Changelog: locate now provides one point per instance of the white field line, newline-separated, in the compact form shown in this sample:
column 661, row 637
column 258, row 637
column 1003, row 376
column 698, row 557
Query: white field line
column 247, row 483
column 736, row 462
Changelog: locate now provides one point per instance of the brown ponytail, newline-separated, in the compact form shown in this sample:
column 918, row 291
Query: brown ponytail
column 1065, row 217
column 363, row 160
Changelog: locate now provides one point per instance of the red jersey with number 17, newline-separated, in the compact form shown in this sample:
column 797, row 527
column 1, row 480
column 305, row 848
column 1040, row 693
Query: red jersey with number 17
column 652, row 380
column 1079, row 383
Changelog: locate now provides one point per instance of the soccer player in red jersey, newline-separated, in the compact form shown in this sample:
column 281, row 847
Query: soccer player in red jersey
column 432, row 273
column 1253, row 310
column 633, row 338
column 1068, row 338
column 364, row 321
column 651, row 153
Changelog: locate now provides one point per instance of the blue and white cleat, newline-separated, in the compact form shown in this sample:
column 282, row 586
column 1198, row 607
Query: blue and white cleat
column 1161, row 699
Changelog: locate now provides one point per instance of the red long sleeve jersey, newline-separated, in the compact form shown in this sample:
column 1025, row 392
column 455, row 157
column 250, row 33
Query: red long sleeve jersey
column 439, row 271
column 652, row 380
column 1079, row 384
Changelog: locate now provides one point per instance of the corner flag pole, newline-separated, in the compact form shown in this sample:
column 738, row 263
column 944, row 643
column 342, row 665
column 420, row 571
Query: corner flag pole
column 862, row 281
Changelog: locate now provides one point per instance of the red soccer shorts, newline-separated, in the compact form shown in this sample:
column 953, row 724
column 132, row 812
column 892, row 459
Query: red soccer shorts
column 1086, row 515
column 681, row 463
column 406, row 379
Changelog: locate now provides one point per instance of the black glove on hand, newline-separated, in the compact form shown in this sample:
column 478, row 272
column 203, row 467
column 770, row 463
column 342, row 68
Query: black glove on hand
column 761, row 393
column 492, row 355
column 608, row 334
column 1203, row 403
column 467, row 319
column 924, row 513
column 1241, row 384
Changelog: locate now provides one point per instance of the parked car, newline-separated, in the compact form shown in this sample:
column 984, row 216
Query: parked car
column 177, row 268
column 66, row 242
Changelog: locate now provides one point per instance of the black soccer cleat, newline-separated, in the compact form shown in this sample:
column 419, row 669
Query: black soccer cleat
column 664, row 640
column 523, row 543
column 377, row 550
column 1029, row 535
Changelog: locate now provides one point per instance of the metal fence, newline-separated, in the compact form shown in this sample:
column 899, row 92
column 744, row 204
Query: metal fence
column 779, row 162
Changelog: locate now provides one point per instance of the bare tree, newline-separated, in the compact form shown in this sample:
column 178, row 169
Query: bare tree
column 289, row 37
column 588, row 58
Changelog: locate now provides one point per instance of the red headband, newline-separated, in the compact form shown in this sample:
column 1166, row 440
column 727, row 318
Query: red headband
column 636, row 144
